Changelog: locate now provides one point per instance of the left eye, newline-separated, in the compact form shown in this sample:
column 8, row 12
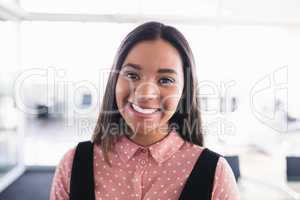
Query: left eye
column 166, row 81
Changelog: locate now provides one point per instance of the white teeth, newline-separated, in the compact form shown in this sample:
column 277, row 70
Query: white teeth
column 142, row 110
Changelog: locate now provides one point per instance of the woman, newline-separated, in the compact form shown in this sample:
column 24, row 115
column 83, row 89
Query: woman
column 148, row 141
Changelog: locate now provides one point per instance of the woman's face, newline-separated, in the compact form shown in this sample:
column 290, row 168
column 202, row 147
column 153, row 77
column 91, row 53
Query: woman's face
column 150, row 85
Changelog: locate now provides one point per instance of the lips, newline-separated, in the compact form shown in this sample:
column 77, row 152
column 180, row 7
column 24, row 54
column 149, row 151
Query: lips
column 142, row 111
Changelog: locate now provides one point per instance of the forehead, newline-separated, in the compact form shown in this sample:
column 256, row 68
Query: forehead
column 151, row 55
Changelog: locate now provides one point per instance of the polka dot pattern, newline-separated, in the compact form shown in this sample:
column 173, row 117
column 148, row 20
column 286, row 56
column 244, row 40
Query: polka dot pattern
column 158, row 171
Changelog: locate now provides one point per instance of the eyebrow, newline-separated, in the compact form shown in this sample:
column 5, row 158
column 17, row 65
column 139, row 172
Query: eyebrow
column 161, row 70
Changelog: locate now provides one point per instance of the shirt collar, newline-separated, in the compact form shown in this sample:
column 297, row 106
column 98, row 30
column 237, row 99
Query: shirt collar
column 160, row 151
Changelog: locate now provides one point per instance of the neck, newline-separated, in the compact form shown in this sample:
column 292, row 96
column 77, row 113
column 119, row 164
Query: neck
column 146, row 139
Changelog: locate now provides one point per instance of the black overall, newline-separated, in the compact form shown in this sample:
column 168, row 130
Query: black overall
column 198, row 186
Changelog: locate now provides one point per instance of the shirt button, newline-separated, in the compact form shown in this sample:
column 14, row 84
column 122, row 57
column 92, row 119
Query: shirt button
column 143, row 150
column 142, row 162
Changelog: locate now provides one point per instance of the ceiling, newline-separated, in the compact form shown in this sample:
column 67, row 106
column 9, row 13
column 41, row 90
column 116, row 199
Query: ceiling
column 188, row 11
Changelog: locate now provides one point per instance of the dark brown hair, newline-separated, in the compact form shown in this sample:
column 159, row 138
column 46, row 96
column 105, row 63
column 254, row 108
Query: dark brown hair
column 186, row 119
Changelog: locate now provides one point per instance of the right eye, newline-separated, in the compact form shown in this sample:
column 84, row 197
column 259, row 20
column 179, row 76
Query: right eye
column 131, row 75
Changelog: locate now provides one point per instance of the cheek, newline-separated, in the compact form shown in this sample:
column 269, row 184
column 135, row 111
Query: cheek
column 170, row 105
column 122, row 91
column 171, row 100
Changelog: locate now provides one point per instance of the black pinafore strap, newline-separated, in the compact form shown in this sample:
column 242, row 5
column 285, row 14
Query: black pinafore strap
column 82, row 176
column 198, row 186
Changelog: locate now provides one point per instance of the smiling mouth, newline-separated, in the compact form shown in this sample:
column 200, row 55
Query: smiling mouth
column 143, row 110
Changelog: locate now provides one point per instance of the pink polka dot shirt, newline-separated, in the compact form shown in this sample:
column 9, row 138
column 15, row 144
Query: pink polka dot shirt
column 155, row 172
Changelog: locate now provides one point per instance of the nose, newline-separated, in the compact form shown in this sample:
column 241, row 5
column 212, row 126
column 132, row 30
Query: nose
column 146, row 91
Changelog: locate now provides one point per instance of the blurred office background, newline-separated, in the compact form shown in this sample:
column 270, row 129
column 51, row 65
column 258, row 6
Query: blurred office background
column 54, row 61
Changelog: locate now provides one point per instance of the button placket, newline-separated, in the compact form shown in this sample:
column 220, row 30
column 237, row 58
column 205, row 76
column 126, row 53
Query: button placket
column 141, row 160
column 143, row 157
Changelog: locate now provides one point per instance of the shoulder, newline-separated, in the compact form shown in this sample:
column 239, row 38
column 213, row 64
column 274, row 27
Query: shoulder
column 222, row 166
column 224, row 181
column 61, row 179
column 63, row 169
column 224, row 186
column 199, row 150
column 192, row 148
column 68, row 156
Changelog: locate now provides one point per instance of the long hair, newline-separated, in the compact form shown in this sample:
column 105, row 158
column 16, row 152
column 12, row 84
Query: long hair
column 186, row 119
